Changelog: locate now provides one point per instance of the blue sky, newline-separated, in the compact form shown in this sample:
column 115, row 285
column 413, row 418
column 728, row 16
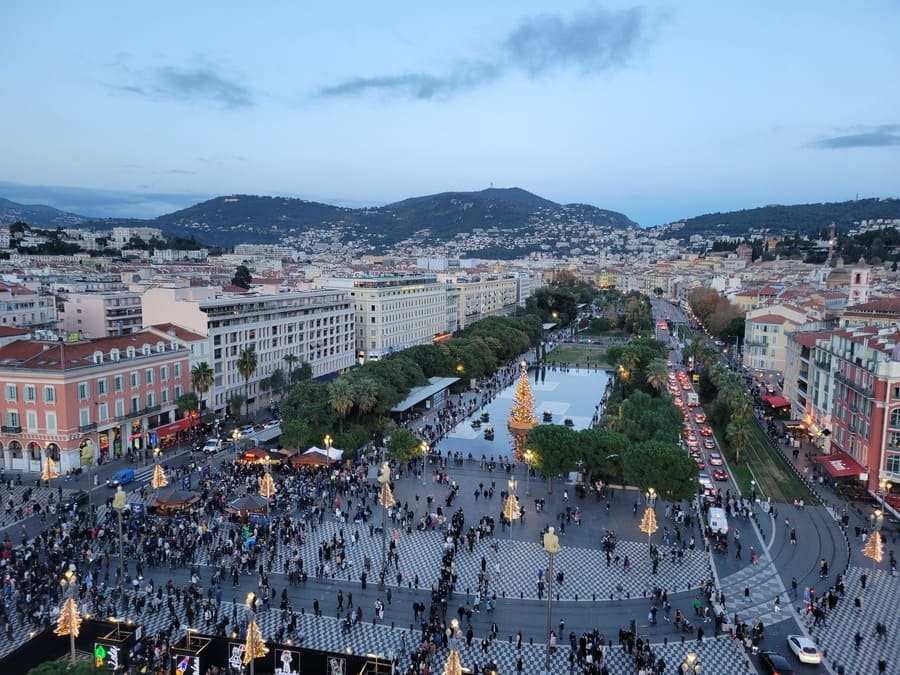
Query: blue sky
column 660, row 111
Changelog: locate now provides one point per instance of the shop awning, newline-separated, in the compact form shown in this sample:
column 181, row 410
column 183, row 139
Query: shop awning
column 840, row 465
column 174, row 427
column 776, row 401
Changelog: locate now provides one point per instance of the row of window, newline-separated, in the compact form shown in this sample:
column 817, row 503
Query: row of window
column 101, row 385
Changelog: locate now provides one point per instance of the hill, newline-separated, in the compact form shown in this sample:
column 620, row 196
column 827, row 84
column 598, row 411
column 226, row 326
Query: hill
column 777, row 218
column 37, row 215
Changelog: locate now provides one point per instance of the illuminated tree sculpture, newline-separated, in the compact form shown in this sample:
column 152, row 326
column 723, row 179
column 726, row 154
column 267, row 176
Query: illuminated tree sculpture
column 255, row 646
column 50, row 471
column 453, row 665
column 521, row 417
column 648, row 523
column 872, row 549
column 69, row 623
column 159, row 479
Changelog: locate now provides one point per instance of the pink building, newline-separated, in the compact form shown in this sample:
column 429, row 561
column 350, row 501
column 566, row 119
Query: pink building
column 67, row 399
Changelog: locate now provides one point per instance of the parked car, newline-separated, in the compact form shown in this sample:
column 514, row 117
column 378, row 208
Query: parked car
column 774, row 663
column 805, row 649
column 120, row 477
column 74, row 500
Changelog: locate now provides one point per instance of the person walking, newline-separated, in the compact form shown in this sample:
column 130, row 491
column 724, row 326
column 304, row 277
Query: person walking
column 793, row 536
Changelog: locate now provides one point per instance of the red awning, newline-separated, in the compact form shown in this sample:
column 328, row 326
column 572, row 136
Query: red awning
column 174, row 427
column 776, row 401
column 840, row 465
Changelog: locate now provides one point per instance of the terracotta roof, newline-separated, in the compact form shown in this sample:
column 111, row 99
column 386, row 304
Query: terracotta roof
column 61, row 356
column 878, row 306
column 7, row 331
column 768, row 318
column 178, row 331
column 809, row 338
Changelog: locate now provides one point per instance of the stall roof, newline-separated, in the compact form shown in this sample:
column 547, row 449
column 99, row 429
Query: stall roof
column 840, row 465
column 776, row 401
column 419, row 394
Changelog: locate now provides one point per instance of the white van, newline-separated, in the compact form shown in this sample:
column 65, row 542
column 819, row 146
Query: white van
column 717, row 520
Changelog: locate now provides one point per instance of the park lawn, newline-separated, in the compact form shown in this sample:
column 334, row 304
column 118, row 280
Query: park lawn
column 578, row 355
column 739, row 472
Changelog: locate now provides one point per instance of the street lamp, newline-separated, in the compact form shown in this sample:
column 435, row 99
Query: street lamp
column 551, row 546
column 267, row 490
column 386, row 499
column 511, row 506
column 529, row 458
column 327, row 440
column 424, row 448
column 120, row 501
column 254, row 646
column 691, row 665
column 69, row 622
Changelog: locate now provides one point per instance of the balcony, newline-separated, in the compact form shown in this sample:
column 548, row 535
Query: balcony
column 84, row 428
column 11, row 429
column 138, row 413
column 865, row 391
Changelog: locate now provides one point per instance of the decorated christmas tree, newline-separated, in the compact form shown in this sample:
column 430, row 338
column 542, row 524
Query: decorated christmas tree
column 69, row 621
column 267, row 486
column 255, row 646
column 453, row 665
column 872, row 549
column 522, row 413
column 648, row 522
column 386, row 496
column 159, row 479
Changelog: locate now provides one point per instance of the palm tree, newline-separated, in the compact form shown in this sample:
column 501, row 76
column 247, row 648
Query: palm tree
column 365, row 391
column 246, row 365
column 202, row 378
column 657, row 374
column 291, row 360
column 340, row 398
column 738, row 435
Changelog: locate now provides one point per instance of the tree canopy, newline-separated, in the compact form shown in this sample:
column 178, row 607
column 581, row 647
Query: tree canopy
column 665, row 467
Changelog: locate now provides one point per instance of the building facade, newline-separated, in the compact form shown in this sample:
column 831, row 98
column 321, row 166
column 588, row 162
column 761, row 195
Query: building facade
column 765, row 342
column 97, row 315
column 22, row 307
column 482, row 296
column 87, row 401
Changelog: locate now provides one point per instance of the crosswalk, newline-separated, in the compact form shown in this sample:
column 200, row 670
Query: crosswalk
column 764, row 584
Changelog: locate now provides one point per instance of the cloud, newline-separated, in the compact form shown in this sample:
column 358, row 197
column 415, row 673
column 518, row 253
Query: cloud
column 197, row 84
column 590, row 42
column 881, row 136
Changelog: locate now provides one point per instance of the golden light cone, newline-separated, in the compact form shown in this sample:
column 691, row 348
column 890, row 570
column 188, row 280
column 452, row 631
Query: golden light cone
column 511, row 508
column 872, row 549
column 255, row 646
column 159, row 479
column 648, row 522
column 50, row 470
column 453, row 665
column 69, row 621
column 386, row 496
column 267, row 486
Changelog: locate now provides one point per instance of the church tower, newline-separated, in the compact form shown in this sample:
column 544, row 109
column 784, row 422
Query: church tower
column 859, row 285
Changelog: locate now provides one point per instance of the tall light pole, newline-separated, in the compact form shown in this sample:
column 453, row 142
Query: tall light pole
column 424, row 448
column 386, row 499
column 691, row 665
column 551, row 546
column 120, row 501
column 511, row 506
column 69, row 622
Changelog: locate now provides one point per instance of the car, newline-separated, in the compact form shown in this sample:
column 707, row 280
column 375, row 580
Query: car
column 774, row 663
column 715, row 459
column 700, row 418
column 212, row 446
column 74, row 500
column 704, row 480
column 120, row 477
column 709, row 444
column 706, row 431
column 678, row 402
column 691, row 439
column 685, row 386
column 271, row 423
column 700, row 463
column 245, row 430
column 720, row 475
column 805, row 649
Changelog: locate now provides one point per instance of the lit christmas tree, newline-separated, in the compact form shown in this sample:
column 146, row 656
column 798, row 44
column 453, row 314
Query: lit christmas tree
column 521, row 417
column 872, row 548
column 453, row 665
column 648, row 522
column 267, row 486
column 69, row 621
column 255, row 646
column 159, row 479
column 386, row 496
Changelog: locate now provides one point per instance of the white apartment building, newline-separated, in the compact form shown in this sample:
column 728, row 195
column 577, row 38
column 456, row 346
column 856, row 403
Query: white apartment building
column 765, row 340
column 252, row 251
column 483, row 295
column 22, row 307
column 315, row 326
column 394, row 312
column 121, row 235
column 99, row 315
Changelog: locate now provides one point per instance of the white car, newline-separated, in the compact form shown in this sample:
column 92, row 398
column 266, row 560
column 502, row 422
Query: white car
column 212, row 446
column 805, row 649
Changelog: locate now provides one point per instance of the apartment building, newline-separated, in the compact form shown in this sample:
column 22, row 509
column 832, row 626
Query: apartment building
column 315, row 326
column 96, row 315
column 481, row 296
column 22, row 307
column 122, row 235
column 252, row 251
column 765, row 342
column 395, row 312
column 83, row 401
column 807, row 380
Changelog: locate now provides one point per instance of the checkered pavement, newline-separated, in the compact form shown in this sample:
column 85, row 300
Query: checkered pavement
column 40, row 495
column 765, row 584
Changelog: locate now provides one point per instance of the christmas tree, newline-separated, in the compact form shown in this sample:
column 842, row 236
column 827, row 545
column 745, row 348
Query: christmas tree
column 69, row 621
column 872, row 548
column 453, row 665
column 255, row 646
column 159, row 479
column 386, row 497
column 267, row 486
column 522, row 414
column 648, row 522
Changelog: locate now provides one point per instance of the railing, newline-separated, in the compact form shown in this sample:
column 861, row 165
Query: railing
column 11, row 429
column 138, row 413
column 84, row 428
column 865, row 391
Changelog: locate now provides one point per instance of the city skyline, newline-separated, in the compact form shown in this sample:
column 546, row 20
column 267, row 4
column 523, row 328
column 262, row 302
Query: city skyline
column 657, row 111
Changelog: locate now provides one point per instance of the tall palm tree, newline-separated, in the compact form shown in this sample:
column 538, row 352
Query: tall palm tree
column 365, row 391
column 738, row 435
column 340, row 398
column 246, row 365
column 291, row 360
column 657, row 374
column 202, row 378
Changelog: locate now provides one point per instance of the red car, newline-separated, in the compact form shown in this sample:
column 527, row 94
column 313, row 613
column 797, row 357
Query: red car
column 700, row 463
column 700, row 418
column 705, row 431
column 720, row 475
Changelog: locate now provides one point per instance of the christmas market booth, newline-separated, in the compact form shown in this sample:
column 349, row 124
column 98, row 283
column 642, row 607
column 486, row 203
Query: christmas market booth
column 171, row 499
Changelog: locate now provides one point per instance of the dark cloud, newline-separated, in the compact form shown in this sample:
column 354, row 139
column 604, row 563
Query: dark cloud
column 197, row 84
column 590, row 42
column 866, row 137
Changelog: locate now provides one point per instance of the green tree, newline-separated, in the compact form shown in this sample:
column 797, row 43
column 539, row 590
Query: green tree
column 246, row 365
column 403, row 445
column 601, row 452
column 242, row 277
column 307, row 402
column 738, row 435
column 235, row 401
column 340, row 398
column 365, row 393
column 296, row 434
column 642, row 417
column 291, row 360
column 663, row 466
column 66, row 668
column 186, row 402
column 657, row 375
column 556, row 450
column 202, row 378
column 277, row 382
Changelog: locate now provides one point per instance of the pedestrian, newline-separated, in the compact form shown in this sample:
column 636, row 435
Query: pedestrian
column 863, row 578
column 793, row 536
column 857, row 640
column 747, row 593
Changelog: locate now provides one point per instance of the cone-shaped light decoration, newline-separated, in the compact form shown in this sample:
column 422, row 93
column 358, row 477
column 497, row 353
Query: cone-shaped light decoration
column 267, row 486
column 872, row 549
column 522, row 413
column 386, row 496
column 50, row 471
column 255, row 646
column 648, row 522
column 453, row 665
column 511, row 508
column 159, row 479
column 69, row 621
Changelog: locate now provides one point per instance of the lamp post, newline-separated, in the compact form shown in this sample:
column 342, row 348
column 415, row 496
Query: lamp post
column 119, row 503
column 529, row 458
column 267, row 490
column 69, row 622
column 386, row 499
column 254, row 646
column 551, row 546
column 424, row 448
column 884, row 486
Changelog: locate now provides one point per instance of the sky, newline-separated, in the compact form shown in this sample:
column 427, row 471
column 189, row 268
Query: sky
column 658, row 110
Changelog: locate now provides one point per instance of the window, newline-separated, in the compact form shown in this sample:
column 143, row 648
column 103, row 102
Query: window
column 895, row 417
column 896, row 392
column 84, row 417
column 101, row 387
column 51, row 422
column 164, row 373
column 894, row 439
column 30, row 393
column 102, row 412
column 11, row 392
column 135, row 404
column 12, row 418
column 118, row 383
column 49, row 394
column 114, row 354
column 120, row 408
column 134, row 380
column 31, row 423
column 164, row 396
column 84, row 391
column 150, row 402
column 177, row 369
column 179, row 390
column 148, row 376
column 893, row 463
